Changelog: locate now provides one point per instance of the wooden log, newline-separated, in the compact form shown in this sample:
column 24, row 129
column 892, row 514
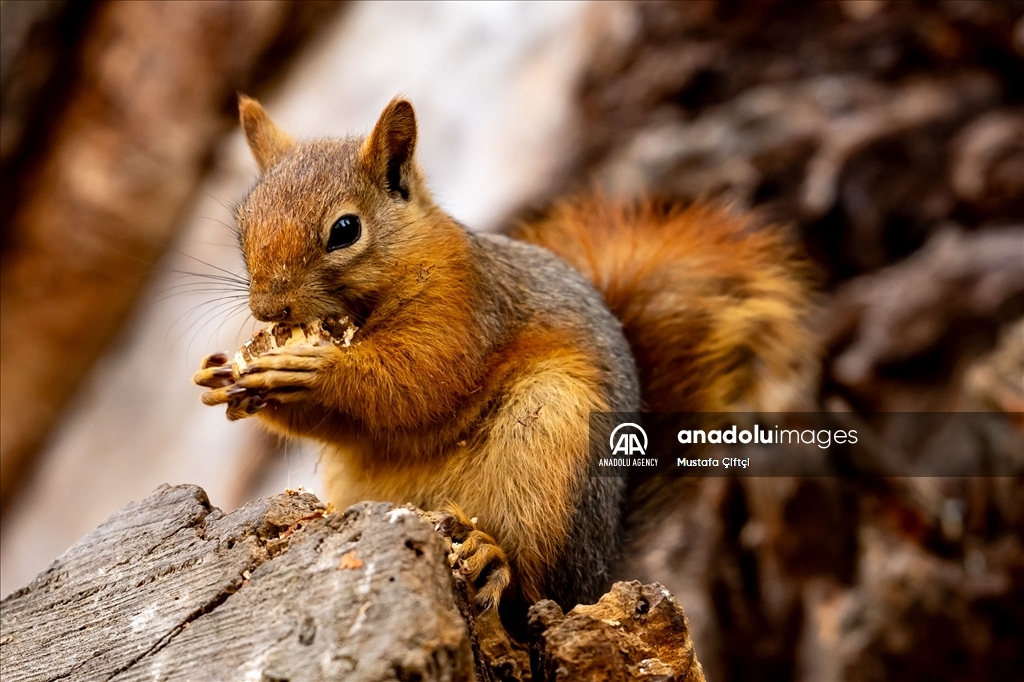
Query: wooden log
column 173, row 589
column 634, row 632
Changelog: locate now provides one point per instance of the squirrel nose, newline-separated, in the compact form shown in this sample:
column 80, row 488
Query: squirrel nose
column 270, row 313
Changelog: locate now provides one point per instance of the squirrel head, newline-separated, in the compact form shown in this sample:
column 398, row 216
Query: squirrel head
column 329, row 220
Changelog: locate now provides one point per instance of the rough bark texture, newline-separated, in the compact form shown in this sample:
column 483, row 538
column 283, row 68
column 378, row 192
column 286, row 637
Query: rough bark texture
column 172, row 589
column 112, row 173
column 635, row 632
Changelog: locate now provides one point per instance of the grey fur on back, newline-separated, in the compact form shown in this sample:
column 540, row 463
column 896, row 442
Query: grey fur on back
column 538, row 283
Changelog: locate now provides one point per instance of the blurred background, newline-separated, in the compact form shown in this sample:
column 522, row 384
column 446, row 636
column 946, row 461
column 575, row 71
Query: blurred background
column 887, row 135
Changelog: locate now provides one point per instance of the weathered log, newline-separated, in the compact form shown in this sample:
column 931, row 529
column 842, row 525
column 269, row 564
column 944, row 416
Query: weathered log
column 284, row 588
column 173, row 589
column 635, row 632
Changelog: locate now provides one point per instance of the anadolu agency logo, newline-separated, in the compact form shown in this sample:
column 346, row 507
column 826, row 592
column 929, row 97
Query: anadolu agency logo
column 628, row 445
column 626, row 440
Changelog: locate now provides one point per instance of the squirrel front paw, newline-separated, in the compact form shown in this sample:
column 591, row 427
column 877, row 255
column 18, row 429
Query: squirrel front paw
column 287, row 374
column 215, row 373
column 477, row 556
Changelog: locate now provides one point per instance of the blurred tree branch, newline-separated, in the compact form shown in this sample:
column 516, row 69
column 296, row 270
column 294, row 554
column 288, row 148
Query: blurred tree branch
column 152, row 92
column 38, row 41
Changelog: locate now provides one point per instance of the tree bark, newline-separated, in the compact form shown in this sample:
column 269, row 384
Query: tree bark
column 171, row 588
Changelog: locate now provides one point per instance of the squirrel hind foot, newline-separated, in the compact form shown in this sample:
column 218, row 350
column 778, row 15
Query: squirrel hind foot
column 476, row 555
column 484, row 564
column 454, row 522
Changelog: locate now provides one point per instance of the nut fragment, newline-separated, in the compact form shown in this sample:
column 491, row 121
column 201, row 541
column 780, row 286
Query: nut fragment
column 339, row 332
column 281, row 335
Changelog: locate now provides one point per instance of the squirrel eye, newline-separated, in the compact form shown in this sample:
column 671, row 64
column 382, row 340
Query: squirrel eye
column 344, row 232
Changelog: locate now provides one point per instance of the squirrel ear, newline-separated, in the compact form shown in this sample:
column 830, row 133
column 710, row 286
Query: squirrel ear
column 268, row 143
column 389, row 149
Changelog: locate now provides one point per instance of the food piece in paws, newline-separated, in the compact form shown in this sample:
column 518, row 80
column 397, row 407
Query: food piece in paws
column 339, row 332
column 276, row 335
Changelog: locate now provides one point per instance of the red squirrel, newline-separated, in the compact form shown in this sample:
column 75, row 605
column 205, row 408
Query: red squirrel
column 479, row 357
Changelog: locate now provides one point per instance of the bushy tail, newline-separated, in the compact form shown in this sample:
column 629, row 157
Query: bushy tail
column 715, row 306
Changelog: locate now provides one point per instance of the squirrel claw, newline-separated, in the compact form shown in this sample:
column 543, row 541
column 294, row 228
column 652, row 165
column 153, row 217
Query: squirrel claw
column 215, row 360
column 213, row 377
column 477, row 556
column 255, row 405
column 455, row 525
column 484, row 564
column 219, row 396
column 489, row 595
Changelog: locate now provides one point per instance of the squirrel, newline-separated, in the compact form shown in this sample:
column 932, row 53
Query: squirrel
column 479, row 357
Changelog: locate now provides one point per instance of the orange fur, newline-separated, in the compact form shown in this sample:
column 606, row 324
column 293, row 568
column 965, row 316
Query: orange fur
column 454, row 388
column 266, row 141
column 547, row 391
column 714, row 306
